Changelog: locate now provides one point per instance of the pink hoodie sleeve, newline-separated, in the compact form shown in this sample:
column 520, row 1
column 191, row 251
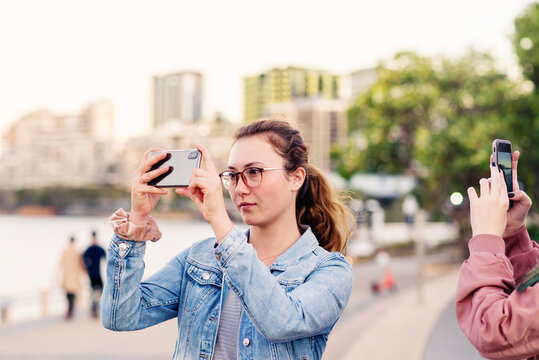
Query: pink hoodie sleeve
column 499, row 322
column 521, row 251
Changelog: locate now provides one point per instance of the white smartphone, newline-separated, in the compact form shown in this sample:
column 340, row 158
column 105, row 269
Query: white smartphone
column 181, row 162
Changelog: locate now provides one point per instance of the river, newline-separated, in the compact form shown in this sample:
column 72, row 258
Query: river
column 30, row 247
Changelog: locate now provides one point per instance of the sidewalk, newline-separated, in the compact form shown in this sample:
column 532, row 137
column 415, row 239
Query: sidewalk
column 447, row 341
column 398, row 326
column 84, row 338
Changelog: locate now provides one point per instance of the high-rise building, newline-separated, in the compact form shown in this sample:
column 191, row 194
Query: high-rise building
column 177, row 98
column 284, row 85
column 322, row 123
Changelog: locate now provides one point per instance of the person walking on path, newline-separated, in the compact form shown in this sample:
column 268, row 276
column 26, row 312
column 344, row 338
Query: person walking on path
column 92, row 260
column 273, row 292
column 387, row 282
column 497, row 301
column 72, row 269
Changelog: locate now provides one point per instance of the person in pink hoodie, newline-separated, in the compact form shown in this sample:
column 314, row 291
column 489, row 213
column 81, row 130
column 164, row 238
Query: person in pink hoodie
column 497, row 300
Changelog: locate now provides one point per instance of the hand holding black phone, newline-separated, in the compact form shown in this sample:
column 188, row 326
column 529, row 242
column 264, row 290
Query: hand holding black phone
column 181, row 163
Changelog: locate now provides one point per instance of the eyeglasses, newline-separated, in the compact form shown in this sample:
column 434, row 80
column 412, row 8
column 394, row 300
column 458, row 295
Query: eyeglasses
column 251, row 176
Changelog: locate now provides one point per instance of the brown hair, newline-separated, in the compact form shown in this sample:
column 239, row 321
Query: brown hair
column 317, row 204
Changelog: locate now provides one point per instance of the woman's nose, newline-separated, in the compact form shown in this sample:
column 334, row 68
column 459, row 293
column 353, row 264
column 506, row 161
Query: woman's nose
column 241, row 186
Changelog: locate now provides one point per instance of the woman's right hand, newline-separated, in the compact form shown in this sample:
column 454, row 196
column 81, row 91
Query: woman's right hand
column 143, row 196
column 488, row 212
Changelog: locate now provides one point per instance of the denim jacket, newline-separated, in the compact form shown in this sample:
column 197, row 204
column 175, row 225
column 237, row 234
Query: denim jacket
column 289, row 307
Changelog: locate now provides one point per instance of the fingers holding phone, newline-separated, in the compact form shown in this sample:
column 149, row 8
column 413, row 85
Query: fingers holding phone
column 145, row 197
column 204, row 186
column 516, row 217
column 520, row 202
column 514, row 166
column 488, row 211
column 206, row 192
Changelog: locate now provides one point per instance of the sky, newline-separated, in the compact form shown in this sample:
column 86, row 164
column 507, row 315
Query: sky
column 62, row 55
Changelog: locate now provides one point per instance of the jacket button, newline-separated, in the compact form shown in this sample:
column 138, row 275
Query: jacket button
column 123, row 246
column 246, row 342
column 206, row 276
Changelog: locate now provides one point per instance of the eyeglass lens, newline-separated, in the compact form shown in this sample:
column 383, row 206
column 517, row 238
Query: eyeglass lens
column 251, row 176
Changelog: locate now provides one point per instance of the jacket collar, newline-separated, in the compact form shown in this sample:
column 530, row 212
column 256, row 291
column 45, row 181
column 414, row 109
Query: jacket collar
column 203, row 255
column 306, row 243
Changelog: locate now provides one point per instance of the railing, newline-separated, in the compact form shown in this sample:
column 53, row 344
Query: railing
column 32, row 305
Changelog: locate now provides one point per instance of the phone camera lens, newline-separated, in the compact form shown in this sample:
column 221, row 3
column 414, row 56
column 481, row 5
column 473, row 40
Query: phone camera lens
column 192, row 155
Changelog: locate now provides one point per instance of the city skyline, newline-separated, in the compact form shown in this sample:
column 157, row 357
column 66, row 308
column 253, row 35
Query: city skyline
column 64, row 55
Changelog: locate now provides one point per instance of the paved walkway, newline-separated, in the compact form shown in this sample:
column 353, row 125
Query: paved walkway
column 386, row 327
column 400, row 326
column 397, row 326
column 84, row 338
column 447, row 341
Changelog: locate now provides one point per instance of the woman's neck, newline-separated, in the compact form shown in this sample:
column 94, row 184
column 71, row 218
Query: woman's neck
column 272, row 240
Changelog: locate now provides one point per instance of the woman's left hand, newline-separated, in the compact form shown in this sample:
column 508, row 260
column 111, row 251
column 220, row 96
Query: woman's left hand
column 516, row 216
column 488, row 213
column 206, row 192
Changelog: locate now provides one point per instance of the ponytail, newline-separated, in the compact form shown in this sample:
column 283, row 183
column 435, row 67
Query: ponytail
column 317, row 204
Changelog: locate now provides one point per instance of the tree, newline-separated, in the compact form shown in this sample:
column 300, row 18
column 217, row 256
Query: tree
column 524, row 110
column 435, row 118
column 526, row 42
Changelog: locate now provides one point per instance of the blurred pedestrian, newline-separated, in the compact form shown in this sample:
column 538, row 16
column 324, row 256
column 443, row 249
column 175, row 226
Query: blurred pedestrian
column 72, row 269
column 497, row 300
column 274, row 291
column 383, row 262
column 92, row 260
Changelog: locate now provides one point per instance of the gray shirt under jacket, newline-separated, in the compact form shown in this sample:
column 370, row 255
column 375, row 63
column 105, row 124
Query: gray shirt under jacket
column 226, row 347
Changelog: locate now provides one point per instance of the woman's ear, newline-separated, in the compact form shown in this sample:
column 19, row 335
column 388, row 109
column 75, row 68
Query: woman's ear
column 298, row 178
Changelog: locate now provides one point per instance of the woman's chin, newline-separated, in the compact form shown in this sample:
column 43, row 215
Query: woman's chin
column 250, row 220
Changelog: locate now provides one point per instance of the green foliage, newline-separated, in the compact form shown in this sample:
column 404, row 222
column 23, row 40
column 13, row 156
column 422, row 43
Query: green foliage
column 436, row 118
column 526, row 42
column 85, row 200
column 524, row 110
column 533, row 230
column 62, row 199
column 522, row 114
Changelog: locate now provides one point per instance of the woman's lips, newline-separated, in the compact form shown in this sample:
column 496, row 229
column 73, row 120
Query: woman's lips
column 246, row 205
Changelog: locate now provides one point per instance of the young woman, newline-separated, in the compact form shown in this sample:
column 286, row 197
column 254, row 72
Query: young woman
column 274, row 292
column 497, row 299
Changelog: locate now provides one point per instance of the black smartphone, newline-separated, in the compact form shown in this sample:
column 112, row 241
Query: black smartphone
column 501, row 149
column 181, row 162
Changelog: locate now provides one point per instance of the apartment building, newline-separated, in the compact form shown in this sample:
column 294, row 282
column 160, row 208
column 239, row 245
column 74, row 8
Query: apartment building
column 177, row 97
column 284, row 85
column 322, row 123
column 45, row 149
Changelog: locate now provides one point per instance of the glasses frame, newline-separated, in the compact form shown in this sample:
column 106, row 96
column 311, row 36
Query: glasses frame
column 242, row 176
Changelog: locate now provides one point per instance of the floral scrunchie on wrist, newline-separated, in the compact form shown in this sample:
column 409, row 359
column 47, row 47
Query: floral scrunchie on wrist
column 127, row 230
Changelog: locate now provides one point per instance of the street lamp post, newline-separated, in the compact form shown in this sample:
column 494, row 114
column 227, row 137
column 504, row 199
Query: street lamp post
column 410, row 209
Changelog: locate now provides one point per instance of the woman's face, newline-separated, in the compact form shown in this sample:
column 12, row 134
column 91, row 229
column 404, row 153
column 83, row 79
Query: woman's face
column 275, row 196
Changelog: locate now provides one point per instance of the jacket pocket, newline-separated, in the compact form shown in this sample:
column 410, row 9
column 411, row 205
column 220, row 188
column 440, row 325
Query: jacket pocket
column 202, row 284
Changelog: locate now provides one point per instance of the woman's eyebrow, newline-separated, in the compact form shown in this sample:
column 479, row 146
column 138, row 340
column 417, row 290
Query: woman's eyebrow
column 247, row 165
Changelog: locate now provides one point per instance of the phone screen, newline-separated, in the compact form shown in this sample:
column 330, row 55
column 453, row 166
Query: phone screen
column 181, row 162
column 504, row 161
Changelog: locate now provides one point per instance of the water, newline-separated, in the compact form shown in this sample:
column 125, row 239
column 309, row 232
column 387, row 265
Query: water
column 30, row 247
